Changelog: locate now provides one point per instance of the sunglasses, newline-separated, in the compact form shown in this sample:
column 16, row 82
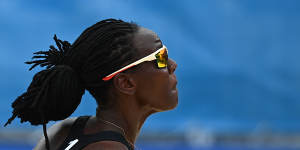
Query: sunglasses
column 161, row 57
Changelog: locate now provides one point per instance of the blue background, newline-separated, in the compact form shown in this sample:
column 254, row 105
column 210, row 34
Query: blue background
column 238, row 68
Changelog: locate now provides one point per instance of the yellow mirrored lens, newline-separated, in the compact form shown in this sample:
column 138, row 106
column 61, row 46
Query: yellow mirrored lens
column 162, row 58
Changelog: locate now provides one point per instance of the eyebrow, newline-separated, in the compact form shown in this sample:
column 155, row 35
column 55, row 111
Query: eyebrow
column 157, row 40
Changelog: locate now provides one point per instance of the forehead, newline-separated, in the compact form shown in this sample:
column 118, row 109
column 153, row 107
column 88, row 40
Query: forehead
column 146, row 42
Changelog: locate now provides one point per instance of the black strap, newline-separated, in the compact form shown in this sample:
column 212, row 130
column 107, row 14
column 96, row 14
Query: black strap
column 78, row 126
column 76, row 132
column 104, row 136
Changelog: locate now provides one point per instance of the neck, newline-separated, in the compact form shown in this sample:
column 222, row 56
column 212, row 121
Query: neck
column 129, row 116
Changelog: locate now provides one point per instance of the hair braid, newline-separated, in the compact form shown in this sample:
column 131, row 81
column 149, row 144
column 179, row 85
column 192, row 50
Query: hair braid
column 35, row 102
column 105, row 47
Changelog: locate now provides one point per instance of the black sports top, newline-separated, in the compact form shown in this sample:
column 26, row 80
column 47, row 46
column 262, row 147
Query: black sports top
column 76, row 140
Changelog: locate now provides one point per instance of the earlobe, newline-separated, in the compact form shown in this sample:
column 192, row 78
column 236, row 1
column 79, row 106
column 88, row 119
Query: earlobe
column 124, row 83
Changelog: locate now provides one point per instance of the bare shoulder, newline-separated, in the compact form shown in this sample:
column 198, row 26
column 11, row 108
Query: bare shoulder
column 106, row 145
column 56, row 133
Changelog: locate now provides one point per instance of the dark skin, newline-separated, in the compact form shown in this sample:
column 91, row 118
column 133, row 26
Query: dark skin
column 134, row 95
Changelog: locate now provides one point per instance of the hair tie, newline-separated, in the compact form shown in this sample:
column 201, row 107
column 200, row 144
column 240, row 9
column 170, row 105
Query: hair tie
column 53, row 56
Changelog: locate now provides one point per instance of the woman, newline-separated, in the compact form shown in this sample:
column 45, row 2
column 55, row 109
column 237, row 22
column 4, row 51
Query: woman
column 125, row 67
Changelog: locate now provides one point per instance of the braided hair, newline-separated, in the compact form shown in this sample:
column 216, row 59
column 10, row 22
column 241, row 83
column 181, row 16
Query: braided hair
column 56, row 91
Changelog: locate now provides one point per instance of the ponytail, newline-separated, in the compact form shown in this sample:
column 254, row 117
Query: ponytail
column 54, row 92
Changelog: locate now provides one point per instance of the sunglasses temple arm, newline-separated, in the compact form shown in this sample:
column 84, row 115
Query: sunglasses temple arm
column 148, row 58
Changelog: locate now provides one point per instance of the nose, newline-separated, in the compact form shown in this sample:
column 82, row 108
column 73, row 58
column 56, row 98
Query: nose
column 171, row 66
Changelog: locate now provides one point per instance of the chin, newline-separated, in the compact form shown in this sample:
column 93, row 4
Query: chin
column 174, row 105
column 165, row 108
column 168, row 103
column 174, row 99
column 172, row 102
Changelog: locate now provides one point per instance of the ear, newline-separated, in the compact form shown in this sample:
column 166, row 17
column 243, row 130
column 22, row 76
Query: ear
column 124, row 83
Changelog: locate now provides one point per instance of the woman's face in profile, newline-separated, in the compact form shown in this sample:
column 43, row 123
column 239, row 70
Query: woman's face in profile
column 156, row 87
